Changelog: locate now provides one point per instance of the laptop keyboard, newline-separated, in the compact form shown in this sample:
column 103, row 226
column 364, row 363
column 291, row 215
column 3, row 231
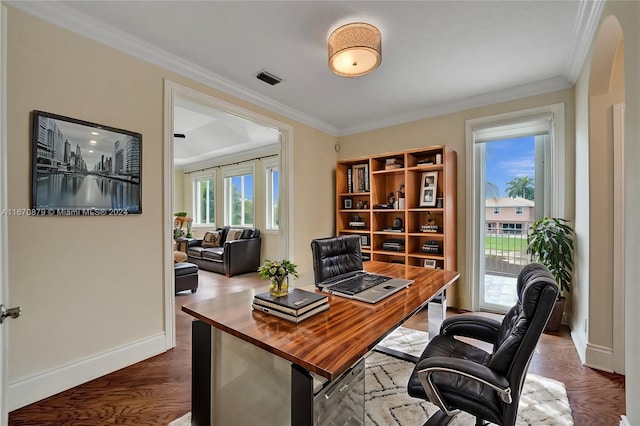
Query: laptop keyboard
column 359, row 283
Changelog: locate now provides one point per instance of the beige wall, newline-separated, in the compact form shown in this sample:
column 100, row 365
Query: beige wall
column 92, row 288
column 450, row 130
column 628, row 15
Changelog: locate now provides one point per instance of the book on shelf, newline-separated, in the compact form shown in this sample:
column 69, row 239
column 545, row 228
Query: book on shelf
column 293, row 318
column 295, row 303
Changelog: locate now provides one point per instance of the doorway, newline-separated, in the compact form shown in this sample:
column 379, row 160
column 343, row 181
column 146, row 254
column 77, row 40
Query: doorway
column 175, row 93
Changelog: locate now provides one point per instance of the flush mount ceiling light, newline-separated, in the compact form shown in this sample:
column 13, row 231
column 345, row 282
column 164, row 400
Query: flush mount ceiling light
column 355, row 49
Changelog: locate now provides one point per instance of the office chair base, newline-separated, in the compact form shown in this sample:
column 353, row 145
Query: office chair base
column 439, row 419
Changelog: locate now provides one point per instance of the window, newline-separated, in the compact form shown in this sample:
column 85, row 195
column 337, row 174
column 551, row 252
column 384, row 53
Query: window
column 519, row 210
column 204, row 199
column 496, row 210
column 272, row 180
column 238, row 194
column 512, row 228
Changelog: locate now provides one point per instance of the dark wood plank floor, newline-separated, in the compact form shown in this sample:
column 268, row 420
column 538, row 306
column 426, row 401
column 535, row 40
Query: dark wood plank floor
column 157, row 391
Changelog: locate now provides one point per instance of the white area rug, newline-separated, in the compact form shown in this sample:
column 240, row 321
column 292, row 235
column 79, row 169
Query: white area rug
column 543, row 401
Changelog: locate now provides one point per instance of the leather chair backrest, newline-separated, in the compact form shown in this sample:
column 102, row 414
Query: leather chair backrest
column 334, row 256
column 522, row 326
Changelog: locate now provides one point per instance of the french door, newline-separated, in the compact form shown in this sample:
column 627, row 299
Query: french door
column 513, row 163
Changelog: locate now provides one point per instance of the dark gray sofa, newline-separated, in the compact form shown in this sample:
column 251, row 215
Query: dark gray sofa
column 235, row 257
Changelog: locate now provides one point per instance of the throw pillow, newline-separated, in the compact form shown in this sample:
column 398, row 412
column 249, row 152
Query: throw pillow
column 211, row 239
column 234, row 234
column 179, row 256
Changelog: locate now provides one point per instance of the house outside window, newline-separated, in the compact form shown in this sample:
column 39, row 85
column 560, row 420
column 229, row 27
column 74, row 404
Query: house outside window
column 204, row 205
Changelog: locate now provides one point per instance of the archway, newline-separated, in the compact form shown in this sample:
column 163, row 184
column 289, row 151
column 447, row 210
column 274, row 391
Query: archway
column 605, row 312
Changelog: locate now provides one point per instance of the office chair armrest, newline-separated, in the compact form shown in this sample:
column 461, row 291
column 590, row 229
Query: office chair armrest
column 474, row 326
column 461, row 367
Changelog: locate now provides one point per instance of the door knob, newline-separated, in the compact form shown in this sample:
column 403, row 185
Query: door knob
column 9, row 313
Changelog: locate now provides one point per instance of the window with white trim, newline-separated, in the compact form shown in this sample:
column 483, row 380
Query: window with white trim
column 496, row 210
column 272, row 191
column 519, row 210
column 239, row 195
column 204, row 206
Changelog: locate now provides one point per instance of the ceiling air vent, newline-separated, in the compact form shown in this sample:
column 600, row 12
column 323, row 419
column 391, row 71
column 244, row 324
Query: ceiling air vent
column 268, row 78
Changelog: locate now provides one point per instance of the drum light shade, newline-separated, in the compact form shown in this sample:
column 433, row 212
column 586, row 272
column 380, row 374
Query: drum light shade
column 355, row 49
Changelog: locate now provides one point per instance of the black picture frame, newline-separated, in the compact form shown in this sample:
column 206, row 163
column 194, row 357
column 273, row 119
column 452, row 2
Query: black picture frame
column 81, row 168
column 347, row 203
column 364, row 240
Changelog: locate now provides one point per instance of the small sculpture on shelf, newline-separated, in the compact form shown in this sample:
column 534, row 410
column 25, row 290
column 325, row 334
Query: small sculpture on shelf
column 430, row 226
column 399, row 196
column 391, row 198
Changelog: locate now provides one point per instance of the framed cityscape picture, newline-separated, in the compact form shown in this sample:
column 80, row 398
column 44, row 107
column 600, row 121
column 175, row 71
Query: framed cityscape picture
column 81, row 168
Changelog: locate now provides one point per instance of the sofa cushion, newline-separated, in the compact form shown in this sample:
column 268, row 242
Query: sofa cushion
column 234, row 234
column 195, row 251
column 213, row 253
column 212, row 239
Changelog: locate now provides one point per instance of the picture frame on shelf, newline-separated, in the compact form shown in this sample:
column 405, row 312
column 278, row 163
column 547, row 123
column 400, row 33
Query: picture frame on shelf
column 364, row 240
column 429, row 185
column 430, row 263
column 347, row 203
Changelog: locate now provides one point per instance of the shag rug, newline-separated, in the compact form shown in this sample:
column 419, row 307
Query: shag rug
column 543, row 401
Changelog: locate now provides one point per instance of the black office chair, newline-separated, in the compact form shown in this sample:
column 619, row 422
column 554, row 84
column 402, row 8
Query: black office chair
column 333, row 256
column 456, row 376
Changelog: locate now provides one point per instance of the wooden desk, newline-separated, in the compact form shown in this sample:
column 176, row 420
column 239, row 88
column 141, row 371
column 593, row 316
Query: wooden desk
column 326, row 345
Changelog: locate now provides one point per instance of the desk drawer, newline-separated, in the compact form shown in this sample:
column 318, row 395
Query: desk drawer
column 342, row 401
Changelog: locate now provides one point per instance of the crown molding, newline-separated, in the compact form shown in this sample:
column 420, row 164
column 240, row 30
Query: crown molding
column 68, row 18
column 513, row 93
column 585, row 29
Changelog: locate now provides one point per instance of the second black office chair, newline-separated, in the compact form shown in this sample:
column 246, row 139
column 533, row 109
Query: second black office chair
column 457, row 376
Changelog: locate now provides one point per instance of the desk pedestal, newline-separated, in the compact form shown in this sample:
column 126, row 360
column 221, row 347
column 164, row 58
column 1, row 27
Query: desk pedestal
column 237, row 383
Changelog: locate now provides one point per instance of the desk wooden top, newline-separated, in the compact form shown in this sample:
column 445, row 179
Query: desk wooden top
column 332, row 341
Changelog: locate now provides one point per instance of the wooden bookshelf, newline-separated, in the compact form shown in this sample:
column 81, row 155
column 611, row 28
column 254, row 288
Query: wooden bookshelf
column 427, row 177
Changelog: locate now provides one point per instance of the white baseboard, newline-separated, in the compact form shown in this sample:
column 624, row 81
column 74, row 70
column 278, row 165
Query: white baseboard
column 624, row 421
column 599, row 357
column 31, row 389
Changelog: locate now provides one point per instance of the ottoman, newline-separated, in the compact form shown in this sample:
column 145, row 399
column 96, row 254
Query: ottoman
column 186, row 276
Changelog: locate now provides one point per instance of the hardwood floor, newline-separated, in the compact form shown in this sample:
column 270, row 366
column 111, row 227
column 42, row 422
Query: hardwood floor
column 158, row 390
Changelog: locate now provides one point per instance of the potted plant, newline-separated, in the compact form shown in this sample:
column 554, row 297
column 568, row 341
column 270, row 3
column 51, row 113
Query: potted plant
column 550, row 243
column 278, row 272
column 178, row 221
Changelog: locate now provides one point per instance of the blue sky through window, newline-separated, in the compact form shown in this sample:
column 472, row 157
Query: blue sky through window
column 509, row 158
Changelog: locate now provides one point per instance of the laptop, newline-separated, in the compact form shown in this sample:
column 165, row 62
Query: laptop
column 337, row 269
column 364, row 286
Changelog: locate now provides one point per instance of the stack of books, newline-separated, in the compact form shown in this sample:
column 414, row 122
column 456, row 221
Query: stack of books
column 392, row 163
column 296, row 306
column 431, row 247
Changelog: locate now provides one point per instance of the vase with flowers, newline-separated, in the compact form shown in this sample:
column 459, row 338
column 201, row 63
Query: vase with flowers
column 278, row 273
